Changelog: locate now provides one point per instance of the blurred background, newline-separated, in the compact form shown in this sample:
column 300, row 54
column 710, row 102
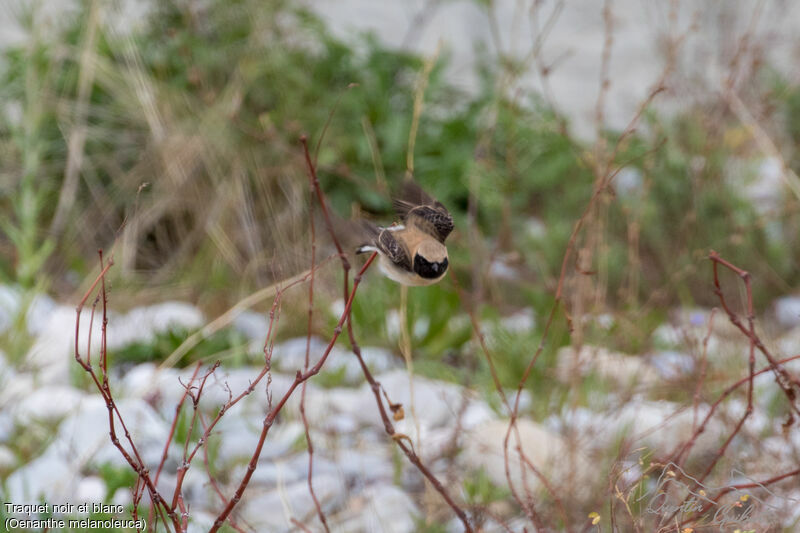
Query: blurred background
column 167, row 134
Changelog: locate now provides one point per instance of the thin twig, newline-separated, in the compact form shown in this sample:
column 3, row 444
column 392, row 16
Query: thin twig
column 375, row 386
column 300, row 377
column 309, row 444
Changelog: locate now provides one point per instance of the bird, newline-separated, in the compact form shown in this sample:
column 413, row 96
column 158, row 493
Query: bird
column 413, row 252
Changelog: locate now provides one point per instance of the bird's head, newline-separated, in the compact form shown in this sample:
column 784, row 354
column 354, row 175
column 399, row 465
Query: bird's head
column 430, row 261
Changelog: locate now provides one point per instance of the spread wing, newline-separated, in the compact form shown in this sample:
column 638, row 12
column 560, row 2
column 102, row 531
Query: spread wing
column 393, row 250
column 417, row 207
column 433, row 220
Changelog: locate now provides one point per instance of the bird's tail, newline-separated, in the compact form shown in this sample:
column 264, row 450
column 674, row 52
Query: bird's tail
column 358, row 235
column 365, row 249
column 368, row 232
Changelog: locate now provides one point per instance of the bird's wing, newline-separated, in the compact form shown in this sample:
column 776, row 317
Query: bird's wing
column 416, row 207
column 393, row 249
column 434, row 220
column 411, row 195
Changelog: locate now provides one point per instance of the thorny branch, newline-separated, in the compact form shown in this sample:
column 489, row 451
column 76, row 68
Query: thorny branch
column 174, row 511
column 309, row 444
column 101, row 383
column 788, row 383
column 783, row 378
column 374, row 385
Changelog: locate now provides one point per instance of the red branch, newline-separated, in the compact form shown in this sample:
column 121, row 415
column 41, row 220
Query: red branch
column 375, row 386
column 303, row 416
column 299, row 378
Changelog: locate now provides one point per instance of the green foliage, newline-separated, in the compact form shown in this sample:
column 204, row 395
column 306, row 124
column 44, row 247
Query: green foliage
column 332, row 378
column 226, row 344
column 207, row 104
column 249, row 77
column 423, row 526
column 480, row 491
column 28, row 142
column 116, row 477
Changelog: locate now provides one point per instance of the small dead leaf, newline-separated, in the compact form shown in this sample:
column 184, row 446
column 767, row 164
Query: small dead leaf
column 397, row 411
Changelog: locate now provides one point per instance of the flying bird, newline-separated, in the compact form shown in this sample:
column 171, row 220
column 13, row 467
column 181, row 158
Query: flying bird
column 412, row 252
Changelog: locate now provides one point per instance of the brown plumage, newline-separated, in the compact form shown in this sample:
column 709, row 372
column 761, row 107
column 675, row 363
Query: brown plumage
column 413, row 253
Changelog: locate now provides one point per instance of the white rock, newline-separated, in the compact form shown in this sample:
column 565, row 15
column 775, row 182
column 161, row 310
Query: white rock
column 624, row 369
column 671, row 365
column 757, row 424
column 90, row 489
column 16, row 388
column 761, row 182
column 789, row 344
column 52, row 354
column 389, row 509
column 667, row 336
column 122, row 496
column 658, row 425
column 165, row 388
column 477, row 412
column 435, row 443
column 337, row 308
column 53, row 351
column 554, row 457
column 436, row 403
column 38, row 312
column 498, row 269
column 790, row 502
column 522, row 321
column 289, row 356
column 141, row 380
column 48, row 478
column 238, row 380
column 49, row 403
column 628, row 183
column 535, row 228
column 7, row 458
column 6, row 425
column 323, row 466
column 392, row 321
column 603, row 320
column 383, row 508
column 272, row 510
column 38, row 307
column 270, row 473
column 337, row 423
column 9, row 306
column 421, row 326
column 252, row 325
column 787, row 311
column 379, row 360
column 83, row 437
column 664, row 425
column 200, row 521
column 324, row 404
column 196, row 488
column 365, row 465
column 143, row 323
column 240, row 437
column 689, row 328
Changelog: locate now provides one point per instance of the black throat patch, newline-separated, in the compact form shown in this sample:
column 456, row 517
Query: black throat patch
column 427, row 269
